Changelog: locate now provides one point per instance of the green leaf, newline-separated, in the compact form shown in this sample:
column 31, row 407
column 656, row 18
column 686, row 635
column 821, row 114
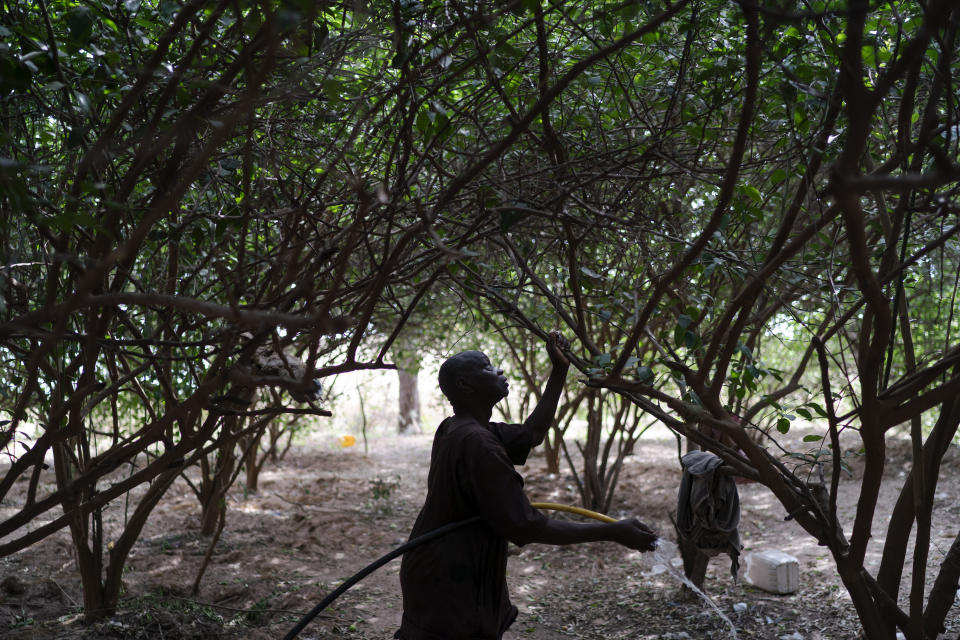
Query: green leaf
column 442, row 122
column 14, row 75
column 75, row 137
column 251, row 24
column 803, row 412
column 508, row 218
column 80, row 23
column 67, row 221
column 423, row 122
column 783, row 425
column 679, row 335
column 83, row 102
column 168, row 8
column 603, row 359
column 816, row 407
column 529, row 5
column 644, row 373
column 812, row 438
column 507, row 52
column 332, row 88
column 320, row 33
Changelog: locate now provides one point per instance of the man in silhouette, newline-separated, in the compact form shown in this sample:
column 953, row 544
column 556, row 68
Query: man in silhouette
column 454, row 587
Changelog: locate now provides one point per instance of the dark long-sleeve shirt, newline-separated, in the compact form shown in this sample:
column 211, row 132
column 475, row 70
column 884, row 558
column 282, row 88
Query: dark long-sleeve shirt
column 454, row 588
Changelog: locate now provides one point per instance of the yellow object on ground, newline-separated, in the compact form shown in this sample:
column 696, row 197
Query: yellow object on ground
column 347, row 441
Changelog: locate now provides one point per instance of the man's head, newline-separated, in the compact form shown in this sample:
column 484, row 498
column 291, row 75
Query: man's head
column 469, row 379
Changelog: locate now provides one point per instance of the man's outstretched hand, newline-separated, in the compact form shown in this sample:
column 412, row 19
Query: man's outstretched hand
column 557, row 346
column 636, row 535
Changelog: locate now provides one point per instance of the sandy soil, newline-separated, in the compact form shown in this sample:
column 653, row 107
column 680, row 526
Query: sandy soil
column 326, row 512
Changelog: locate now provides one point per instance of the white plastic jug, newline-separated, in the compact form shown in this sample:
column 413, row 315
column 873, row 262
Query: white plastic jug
column 772, row 570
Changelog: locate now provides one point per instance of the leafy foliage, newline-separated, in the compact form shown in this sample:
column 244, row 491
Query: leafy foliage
column 709, row 196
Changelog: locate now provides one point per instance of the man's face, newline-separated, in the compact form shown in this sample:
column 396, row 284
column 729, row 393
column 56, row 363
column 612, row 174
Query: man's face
column 484, row 379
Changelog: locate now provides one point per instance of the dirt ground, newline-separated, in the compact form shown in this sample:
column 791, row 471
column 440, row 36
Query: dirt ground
column 326, row 512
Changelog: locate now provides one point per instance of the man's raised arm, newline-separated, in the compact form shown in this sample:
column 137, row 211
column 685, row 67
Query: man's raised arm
column 540, row 419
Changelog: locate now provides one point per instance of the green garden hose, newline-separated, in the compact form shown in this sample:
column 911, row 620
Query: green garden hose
column 416, row 542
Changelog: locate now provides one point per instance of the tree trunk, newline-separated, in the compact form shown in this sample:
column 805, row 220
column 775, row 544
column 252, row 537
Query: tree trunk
column 409, row 409
column 875, row 626
column 551, row 451
column 213, row 488
column 217, row 488
column 251, row 468
column 89, row 559
column 901, row 519
column 592, row 483
column 113, row 581
column 695, row 562
column 944, row 592
column 276, row 432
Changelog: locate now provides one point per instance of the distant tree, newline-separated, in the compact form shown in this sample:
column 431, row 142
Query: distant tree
column 407, row 357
